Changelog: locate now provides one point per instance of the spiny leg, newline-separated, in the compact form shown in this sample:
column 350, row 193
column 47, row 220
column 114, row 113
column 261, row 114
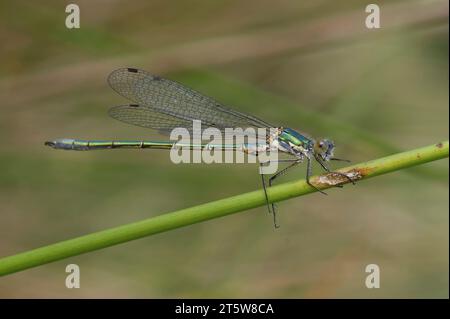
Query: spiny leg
column 334, row 159
column 279, row 173
column 264, row 181
column 308, row 175
column 340, row 159
column 265, row 188
column 272, row 178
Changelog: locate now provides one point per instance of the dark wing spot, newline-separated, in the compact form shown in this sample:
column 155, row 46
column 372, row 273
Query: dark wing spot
column 134, row 105
column 132, row 70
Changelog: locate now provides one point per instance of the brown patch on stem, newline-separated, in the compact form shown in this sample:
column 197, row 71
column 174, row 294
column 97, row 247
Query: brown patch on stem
column 439, row 145
column 338, row 178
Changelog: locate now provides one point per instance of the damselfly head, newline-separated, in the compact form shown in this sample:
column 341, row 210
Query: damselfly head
column 324, row 148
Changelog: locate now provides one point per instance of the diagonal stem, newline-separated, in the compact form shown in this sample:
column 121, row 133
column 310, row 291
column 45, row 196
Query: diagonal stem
column 219, row 208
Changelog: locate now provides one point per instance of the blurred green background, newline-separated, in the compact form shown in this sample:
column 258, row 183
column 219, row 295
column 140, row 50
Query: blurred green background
column 310, row 65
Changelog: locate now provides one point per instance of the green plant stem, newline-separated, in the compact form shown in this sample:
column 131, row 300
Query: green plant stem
column 219, row 208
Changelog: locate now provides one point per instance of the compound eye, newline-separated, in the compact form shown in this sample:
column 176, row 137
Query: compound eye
column 320, row 144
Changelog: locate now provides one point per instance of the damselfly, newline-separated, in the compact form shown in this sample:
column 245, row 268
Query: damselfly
column 165, row 105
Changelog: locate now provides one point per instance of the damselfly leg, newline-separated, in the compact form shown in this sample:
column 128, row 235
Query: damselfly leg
column 308, row 176
column 271, row 179
column 340, row 159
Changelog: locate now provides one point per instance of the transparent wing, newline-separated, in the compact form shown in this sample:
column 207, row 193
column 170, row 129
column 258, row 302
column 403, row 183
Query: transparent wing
column 147, row 117
column 168, row 98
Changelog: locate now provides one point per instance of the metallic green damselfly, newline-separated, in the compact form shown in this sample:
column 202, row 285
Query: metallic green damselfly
column 165, row 105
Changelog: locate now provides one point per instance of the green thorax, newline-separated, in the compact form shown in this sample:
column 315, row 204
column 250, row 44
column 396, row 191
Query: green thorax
column 293, row 137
